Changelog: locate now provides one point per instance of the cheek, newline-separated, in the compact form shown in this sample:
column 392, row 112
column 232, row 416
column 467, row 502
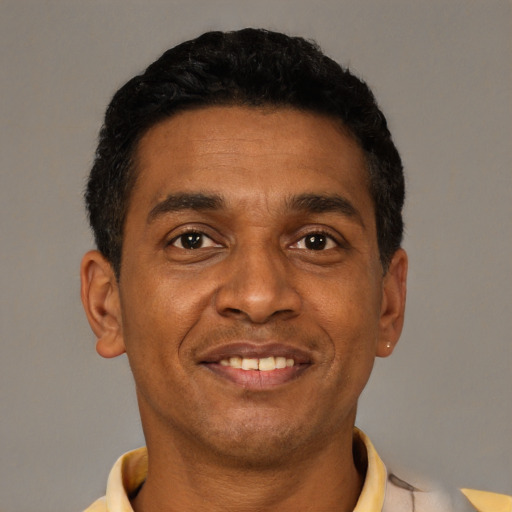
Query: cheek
column 159, row 312
column 349, row 306
column 349, row 313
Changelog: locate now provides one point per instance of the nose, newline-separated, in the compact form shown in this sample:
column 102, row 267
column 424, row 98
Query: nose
column 257, row 287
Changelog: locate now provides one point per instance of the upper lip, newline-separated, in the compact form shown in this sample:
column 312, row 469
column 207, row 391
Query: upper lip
column 251, row 350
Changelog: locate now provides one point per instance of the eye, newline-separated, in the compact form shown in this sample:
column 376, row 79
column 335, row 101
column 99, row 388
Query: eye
column 193, row 240
column 316, row 242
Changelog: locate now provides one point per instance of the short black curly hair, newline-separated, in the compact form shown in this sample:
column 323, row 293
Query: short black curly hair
column 249, row 67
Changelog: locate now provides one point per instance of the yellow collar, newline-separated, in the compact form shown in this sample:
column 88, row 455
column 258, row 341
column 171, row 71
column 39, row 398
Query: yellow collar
column 129, row 472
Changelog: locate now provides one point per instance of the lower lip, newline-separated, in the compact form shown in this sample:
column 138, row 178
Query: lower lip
column 256, row 379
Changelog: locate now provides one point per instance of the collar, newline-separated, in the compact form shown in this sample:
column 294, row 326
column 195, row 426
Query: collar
column 130, row 470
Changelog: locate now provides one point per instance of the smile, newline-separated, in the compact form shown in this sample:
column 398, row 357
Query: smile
column 257, row 367
column 264, row 364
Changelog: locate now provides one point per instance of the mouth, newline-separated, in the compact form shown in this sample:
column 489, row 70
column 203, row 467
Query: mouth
column 257, row 367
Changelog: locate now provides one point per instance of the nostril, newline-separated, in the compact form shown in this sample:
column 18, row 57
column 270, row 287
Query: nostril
column 258, row 300
column 234, row 310
column 283, row 312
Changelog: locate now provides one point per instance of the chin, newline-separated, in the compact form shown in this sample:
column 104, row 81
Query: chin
column 256, row 452
column 259, row 443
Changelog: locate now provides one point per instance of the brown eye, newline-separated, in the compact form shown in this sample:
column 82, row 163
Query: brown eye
column 193, row 240
column 315, row 242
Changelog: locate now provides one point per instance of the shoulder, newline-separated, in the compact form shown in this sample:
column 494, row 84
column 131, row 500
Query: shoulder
column 485, row 501
column 432, row 497
column 389, row 493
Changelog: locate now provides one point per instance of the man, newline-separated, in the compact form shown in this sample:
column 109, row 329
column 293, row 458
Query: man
column 246, row 203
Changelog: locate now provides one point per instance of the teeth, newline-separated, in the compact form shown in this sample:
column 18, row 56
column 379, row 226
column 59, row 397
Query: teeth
column 235, row 362
column 281, row 362
column 263, row 364
column 266, row 364
column 249, row 364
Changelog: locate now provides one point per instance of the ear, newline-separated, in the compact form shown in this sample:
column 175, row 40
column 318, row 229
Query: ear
column 100, row 298
column 394, row 292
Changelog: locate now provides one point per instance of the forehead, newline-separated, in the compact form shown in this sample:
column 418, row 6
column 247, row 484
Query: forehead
column 248, row 155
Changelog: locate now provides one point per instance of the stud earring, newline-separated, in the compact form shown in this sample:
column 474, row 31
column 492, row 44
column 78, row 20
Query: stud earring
column 388, row 345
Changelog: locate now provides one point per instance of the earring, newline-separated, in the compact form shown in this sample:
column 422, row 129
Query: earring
column 388, row 345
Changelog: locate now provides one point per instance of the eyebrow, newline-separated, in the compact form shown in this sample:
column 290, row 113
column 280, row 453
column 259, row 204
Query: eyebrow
column 307, row 203
column 185, row 201
column 325, row 203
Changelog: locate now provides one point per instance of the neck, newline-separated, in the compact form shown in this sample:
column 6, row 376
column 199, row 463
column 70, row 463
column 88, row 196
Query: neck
column 181, row 478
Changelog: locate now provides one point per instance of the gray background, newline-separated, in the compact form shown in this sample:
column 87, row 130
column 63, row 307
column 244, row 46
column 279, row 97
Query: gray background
column 442, row 73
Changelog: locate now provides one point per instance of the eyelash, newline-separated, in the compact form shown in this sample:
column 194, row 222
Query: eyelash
column 192, row 232
column 203, row 236
column 319, row 233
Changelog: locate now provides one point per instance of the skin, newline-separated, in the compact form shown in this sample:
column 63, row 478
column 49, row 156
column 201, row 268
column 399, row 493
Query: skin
column 259, row 442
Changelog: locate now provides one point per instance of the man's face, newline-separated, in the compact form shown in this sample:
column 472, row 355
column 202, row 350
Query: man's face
column 250, row 241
